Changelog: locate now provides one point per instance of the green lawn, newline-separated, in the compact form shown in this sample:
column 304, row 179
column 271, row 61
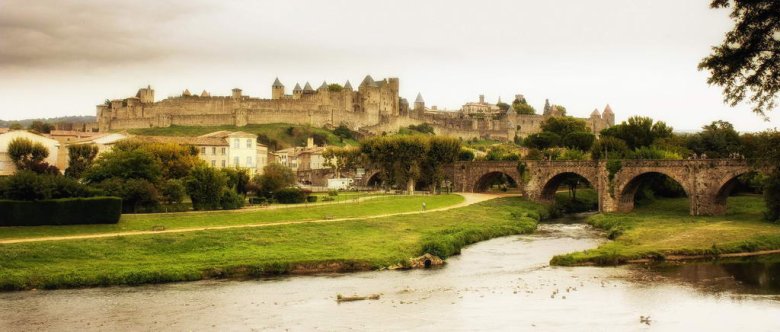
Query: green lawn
column 145, row 222
column 664, row 228
column 250, row 252
column 276, row 131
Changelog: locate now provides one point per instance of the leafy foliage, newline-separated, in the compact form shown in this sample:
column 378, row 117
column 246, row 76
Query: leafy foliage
column 205, row 186
column 542, row 140
column 274, row 178
column 747, row 64
column 717, row 140
column 80, row 158
column 124, row 164
column 638, row 131
column 29, row 155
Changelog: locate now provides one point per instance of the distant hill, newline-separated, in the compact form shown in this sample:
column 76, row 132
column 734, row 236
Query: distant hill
column 26, row 122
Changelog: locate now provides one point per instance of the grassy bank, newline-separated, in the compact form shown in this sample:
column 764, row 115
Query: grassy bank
column 374, row 206
column 301, row 248
column 664, row 229
column 280, row 132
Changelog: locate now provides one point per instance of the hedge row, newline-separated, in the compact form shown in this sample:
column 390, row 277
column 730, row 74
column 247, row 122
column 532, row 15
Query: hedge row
column 65, row 211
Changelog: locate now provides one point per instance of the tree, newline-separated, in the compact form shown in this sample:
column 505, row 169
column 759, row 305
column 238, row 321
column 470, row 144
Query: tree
column 607, row 147
column 564, row 125
column 465, row 155
column 542, row 140
column 134, row 164
column 237, row 179
column 340, row 159
column 28, row 155
column 400, row 158
column 521, row 106
column 41, row 127
column 579, row 140
column 717, row 140
column 343, row 132
column 638, row 131
column 441, row 151
column 275, row 177
column 747, row 64
column 761, row 150
column 205, row 186
column 15, row 126
column 80, row 158
column 503, row 106
column 173, row 191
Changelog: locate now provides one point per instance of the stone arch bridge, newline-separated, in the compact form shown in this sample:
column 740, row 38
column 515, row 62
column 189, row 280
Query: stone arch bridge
column 707, row 182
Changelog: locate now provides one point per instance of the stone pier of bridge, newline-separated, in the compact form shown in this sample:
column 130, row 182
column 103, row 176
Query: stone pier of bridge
column 706, row 182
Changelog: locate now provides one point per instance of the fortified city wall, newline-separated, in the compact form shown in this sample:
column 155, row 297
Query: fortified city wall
column 374, row 108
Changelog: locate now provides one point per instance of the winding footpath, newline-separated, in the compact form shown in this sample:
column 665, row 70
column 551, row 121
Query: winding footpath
column 469, row 199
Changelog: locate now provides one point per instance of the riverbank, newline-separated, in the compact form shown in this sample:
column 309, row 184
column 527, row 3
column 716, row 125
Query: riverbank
column 663, row 230
column 345, row 246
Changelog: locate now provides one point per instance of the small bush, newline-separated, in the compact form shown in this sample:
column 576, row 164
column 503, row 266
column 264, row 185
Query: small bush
column 333, row 193
column 230, row 200
column 290, row 196
column 66, row 211
column 311, row 199
column 328, row 199
column 258, row 200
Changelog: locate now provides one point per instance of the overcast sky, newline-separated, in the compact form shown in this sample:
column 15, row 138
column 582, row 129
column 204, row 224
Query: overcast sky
column 62, row 58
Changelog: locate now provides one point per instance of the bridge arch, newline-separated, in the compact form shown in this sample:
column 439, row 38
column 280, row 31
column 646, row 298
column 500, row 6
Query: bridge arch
column 724, row 189
column 373, row 179
column 552, row 184
column 627, row 192
column 492, row 178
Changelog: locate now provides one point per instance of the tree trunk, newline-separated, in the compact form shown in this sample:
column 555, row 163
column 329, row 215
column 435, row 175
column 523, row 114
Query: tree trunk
column 410, row 186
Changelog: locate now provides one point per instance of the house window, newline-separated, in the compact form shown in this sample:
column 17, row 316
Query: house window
column 223, row 163
column 213, row 150
column 213, row 163
column 223, row 151
column 235, row 161
column 202, row 150
column 236, row 143
column 249, row 143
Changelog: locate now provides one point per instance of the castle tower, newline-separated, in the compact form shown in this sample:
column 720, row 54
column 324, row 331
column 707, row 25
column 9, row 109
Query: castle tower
column 323, row 87
column 348, row 86
column 307, row 88
column 236, row 93
column 608, row 115
column 419, row 103
column 481, row 99
column 595, row 114
column 297, row 91
column 186, row 93
column 547, row 108
column 146, row 95
column 277, row 89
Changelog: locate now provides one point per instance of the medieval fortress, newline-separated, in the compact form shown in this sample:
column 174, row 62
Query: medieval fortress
column 375, row 107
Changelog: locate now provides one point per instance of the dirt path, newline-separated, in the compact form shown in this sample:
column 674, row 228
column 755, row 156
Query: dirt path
column 469, row 199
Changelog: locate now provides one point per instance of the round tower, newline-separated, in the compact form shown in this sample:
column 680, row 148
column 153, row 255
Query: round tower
column 608, row 115
column 419, row 103
column 277, row 89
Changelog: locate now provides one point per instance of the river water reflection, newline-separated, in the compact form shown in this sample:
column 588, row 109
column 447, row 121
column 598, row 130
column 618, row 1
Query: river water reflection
column 501, row 284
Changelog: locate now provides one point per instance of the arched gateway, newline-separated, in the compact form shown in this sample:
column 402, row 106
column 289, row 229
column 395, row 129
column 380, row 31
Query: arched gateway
column 706, row 182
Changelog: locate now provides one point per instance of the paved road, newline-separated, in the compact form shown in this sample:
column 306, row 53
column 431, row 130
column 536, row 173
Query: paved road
column 469, row 198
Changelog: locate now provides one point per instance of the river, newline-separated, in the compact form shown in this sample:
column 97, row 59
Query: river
column 501, row 284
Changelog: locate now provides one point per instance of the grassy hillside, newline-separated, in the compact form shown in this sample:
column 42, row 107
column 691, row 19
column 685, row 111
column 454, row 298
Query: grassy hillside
column 284, row 135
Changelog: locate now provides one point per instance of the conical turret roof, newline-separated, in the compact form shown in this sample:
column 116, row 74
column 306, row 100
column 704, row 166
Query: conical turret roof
column 186, row 93
column 277, row 83
column 348, row 86
column 419, row 98
column 205, row 94
column 595, row 113
column 297, row 87
column 369, row 81
column 324, row 86
column 307, row 88
column 608, row 110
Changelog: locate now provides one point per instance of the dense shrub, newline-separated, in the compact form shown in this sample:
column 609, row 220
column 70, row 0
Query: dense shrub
column 204, row 185
column 311, row 199
column 30, row 186
column 231, row 200
column 172, row 191
column 290, row 196
column 138, row 195
column 66, row 211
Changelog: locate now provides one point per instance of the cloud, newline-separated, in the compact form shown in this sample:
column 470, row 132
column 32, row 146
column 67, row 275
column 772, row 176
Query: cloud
column 86, row 32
